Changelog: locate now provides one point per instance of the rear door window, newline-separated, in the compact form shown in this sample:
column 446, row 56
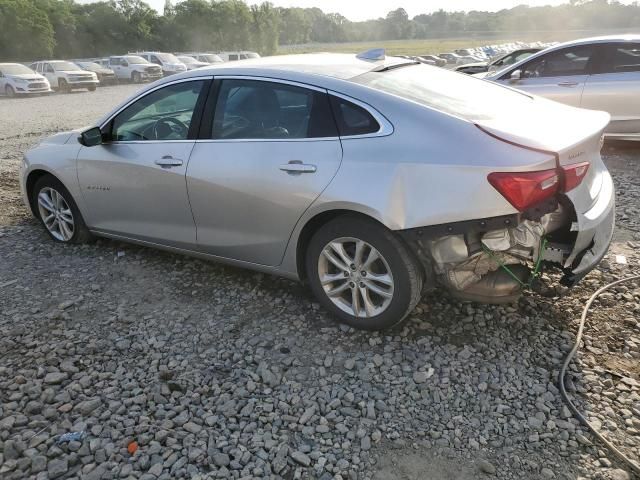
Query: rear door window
column 621, row 58
column 256, row 109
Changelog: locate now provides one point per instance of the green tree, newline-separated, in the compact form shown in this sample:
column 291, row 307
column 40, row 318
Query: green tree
column 25, row 31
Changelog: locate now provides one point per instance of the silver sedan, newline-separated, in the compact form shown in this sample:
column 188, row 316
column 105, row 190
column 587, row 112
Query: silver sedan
column 372, row 179
column 597, row 73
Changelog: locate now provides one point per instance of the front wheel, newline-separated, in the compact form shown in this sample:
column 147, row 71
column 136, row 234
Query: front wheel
column 9, row 91
column 92, row 88
column 58, row 212
column 362, row 273
column 62, row 86
column 135, row 77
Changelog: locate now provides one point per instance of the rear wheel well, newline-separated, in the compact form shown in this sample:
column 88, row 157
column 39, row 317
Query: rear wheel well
column 312, row 227
column 32, row 178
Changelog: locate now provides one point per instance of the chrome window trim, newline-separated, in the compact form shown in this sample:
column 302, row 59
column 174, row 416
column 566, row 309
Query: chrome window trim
column 272, row 80
column 386, row 127
column 147, row 92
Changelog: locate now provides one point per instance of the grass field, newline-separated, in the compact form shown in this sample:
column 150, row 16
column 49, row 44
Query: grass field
column 393, row 47
column 435, row 46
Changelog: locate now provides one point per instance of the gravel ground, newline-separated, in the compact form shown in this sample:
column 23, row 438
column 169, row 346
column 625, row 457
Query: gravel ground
column 217, row 372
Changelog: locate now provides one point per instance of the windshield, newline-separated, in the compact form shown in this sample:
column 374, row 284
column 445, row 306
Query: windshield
column 62, row 66
column 15, row 69
column 89, row 66
column 135, row 60
column 453, row 93
column 211, row 58
column 187, row 60
column 167, row 57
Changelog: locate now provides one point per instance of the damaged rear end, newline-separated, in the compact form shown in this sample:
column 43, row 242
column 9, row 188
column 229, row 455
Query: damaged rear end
column 564, row 216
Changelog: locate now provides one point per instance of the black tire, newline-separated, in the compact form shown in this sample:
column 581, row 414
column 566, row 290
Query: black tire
column 81, row 233
column 62, row 86
column 92, row 88
column 135, row 77
column 9, row 91
column 404, row 268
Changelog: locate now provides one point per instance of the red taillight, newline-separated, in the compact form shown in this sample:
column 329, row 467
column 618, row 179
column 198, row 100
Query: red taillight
column 525, row 189
column 574, row 174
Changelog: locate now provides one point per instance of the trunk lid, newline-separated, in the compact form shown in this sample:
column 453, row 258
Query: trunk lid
column 574, row 135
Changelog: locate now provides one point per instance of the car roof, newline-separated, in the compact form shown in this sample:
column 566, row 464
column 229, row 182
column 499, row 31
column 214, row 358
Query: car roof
column 337, row 65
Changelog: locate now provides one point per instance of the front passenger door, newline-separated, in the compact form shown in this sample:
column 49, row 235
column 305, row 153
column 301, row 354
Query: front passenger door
column 559, row 75
column 134, row 184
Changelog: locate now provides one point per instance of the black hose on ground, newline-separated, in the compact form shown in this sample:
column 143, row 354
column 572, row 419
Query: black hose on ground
column 633, row 465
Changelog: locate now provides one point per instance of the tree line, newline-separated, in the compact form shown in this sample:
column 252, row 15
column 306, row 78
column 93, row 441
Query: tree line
column 31, row 29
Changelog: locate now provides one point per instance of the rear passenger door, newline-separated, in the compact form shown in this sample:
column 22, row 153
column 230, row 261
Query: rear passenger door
column 615, row 87
column 559, row 75
column 267, row 149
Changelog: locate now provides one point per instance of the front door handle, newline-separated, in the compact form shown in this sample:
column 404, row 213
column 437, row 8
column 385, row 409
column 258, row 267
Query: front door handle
column 168, row 161
column 296, row 166
column 568, row 84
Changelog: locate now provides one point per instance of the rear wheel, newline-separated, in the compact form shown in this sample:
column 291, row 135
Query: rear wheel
column 58, row 212
column 362, row 273
column 9, row 91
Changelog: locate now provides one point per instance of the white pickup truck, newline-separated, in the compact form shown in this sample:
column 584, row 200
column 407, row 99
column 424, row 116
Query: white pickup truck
column 65, row 76
column 134, row 68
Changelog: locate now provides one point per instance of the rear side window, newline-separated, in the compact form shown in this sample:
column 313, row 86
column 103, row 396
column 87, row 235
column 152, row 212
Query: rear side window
column 622, row 58
column 352, row 119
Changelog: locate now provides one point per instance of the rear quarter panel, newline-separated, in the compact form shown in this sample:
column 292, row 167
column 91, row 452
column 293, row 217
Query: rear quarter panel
column 431, row 170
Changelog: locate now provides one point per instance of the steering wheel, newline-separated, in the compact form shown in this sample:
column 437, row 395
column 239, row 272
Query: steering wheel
column 163, row 127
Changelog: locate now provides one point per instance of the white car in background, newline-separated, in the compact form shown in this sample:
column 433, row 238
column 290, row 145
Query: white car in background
column 232, row 56
column 16, row 79
column 191, row 63
column 209, row 58
column 134, row 68
column 65, row 76
column 601, row 73
column 168, row 62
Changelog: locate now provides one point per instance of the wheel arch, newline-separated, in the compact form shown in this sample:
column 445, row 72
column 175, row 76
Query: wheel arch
column 30, row 183
column 316, row 222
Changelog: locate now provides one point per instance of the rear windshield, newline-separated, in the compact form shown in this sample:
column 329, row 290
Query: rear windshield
column 450, row 92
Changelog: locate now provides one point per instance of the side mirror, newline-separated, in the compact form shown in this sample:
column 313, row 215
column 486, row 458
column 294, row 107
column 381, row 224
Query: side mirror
column 516, row 76
column 91, row 137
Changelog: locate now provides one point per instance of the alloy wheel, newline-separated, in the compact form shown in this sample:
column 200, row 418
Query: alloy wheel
column 56, row 214
column 355, row 277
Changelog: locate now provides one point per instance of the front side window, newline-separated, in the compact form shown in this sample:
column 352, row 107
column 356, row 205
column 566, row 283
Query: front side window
column 253, row 109
column 621, row 58
column 163, row 114
column 565, row 62
column 233, row 57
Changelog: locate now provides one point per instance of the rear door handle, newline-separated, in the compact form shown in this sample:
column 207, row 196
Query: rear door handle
column 168, row 161
column 296, row 166
column 568, row 84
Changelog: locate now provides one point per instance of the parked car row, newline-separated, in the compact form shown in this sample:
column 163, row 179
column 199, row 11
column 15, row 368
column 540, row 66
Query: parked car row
column 46, row 76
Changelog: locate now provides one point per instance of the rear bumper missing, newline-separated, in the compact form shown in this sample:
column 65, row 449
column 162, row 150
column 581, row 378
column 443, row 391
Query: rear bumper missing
column 594, row 234
column 460, row 255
